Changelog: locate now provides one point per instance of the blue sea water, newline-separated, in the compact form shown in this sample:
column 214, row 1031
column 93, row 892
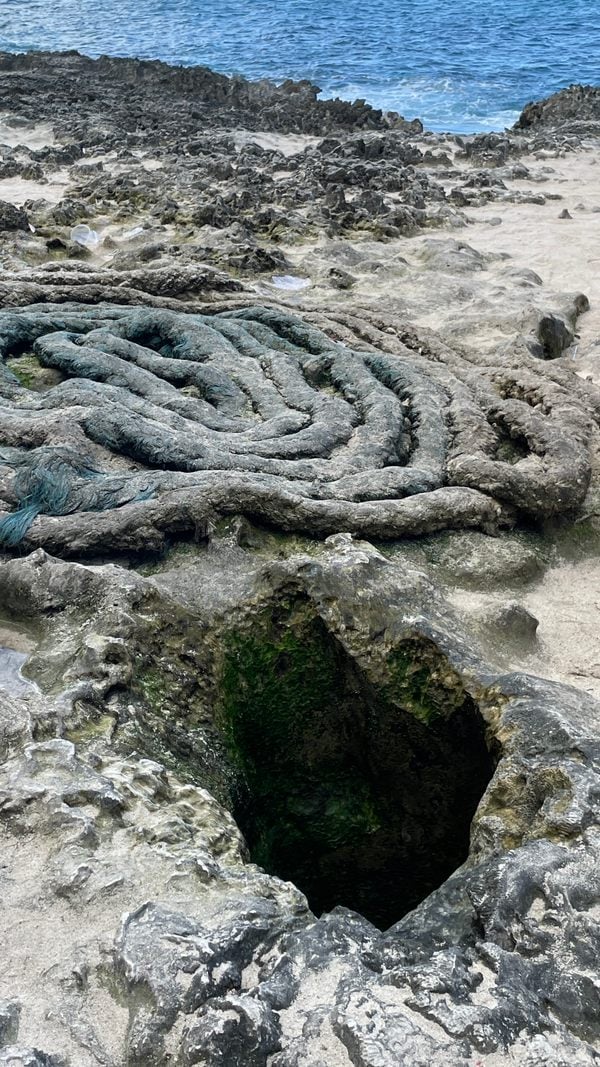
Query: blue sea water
column 460, row 65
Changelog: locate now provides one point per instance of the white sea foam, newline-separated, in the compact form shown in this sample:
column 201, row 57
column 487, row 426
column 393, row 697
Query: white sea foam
column 459, row 65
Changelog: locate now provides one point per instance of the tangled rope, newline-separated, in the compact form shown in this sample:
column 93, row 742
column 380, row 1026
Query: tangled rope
column 163, row 420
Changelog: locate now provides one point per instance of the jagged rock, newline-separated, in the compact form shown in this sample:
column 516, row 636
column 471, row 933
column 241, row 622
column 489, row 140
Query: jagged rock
column 185, row 94
column 508, row 627
column 341, row 279
column 12, row 218
column 9, row 1021
column 516, row 622
column 578, row 103
column 17, row 1056
column 554, row 336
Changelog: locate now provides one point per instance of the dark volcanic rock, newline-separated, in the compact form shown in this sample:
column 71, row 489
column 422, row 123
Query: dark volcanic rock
column 189, row 121
column 579, row 104
column 142, row 91
column 514, row 622
column 12, row 218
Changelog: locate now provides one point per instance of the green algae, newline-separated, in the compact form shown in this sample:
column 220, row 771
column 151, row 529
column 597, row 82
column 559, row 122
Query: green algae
column 32, row 374
column 91, row 730
column 181, row 552
column 172, row 695
column 357, row 786
column 422, row 682
column 361, row 795
column 280, row 690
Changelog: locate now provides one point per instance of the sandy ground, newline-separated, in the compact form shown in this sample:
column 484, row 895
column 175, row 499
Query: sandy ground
column 14, row 131
column 286, row 143
column 19, row 190
column 566, row 602
column 565, row 252
column 471, row 285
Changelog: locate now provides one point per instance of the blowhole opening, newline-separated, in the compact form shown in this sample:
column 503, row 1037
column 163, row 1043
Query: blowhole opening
column 361, row 795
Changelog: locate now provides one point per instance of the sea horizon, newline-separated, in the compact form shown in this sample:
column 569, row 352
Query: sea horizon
column 461, row 67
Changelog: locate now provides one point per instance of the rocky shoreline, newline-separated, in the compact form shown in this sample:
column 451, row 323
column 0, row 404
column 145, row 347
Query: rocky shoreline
column 299, row 547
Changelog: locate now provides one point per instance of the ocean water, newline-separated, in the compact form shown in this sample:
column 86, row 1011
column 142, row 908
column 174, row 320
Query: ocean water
column 459, row 65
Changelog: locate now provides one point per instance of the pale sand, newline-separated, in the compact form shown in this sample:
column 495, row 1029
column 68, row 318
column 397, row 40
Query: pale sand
column 566, row 255
column 564, row 252
column 567, row 604
column 289, row 144
column 19, row 190
column 464, row 282
column 32, row 135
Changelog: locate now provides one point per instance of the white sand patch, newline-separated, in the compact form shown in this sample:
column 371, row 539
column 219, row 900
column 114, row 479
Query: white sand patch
column 567, row 604
column 289, row 144
column 110, row 162
column 564, row 252
column 427, row 280
column 17, row 190
column 152, row 164
column 100, row 158
column 34, row 135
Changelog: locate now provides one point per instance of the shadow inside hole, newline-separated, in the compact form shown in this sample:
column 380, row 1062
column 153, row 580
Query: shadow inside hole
column 360, row 796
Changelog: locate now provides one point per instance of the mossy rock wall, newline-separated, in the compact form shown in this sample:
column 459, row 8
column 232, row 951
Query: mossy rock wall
column 362, row 796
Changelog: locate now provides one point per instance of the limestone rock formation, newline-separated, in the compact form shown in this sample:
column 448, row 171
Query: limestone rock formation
column 12, row 218
column 186, row 94
column 264, row 800
column 136, row 928
column 579, row 104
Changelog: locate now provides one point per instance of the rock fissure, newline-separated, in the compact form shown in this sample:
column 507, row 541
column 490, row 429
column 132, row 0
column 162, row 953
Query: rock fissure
column 336, row 711
column 240, row 669
column 360, row 796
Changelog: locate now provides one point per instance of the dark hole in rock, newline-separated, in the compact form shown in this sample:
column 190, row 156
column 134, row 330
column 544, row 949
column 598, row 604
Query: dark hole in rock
column 511, row 446
column 554, row 336
column 361, row 796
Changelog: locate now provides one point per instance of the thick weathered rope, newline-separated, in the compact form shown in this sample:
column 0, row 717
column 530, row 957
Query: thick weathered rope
column 165, row 419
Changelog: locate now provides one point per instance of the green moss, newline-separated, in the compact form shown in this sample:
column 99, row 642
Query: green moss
column 31, row 374
column 360, row 792
column 361, row 796
column 91, row 730
column 154, row 688
column 281, row 693
column 422, row 682
column 171, row 695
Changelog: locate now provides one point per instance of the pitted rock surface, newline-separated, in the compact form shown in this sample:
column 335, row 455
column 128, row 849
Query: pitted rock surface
column 136, row 931
column 163, row 420
column 316, row 696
